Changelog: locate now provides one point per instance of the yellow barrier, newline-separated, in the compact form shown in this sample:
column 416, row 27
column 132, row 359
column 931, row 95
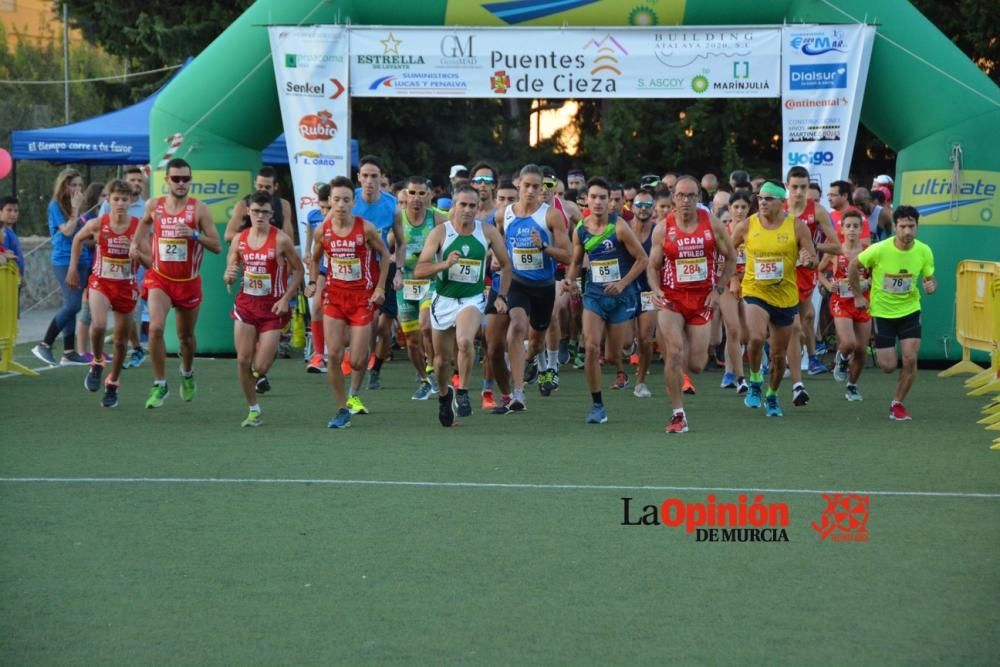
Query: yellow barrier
column 10, row 279
column 977, row 307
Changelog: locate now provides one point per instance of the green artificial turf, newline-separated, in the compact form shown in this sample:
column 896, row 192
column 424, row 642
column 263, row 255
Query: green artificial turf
column 348, row 569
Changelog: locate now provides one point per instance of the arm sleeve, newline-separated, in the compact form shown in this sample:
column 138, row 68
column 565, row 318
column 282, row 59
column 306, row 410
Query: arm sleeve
column 56, row 218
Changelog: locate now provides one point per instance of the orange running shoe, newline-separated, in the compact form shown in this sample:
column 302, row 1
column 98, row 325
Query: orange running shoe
column 488, row 402
column 345, row 364
column 688, row 385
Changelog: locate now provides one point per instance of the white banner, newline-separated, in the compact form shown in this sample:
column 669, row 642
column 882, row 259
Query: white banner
column 670, row 62
column 825, row 69
column 311, row 71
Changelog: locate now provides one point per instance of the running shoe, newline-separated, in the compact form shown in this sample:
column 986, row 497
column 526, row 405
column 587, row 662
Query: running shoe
column 771, row 407
column 545, row 383
column 253, row 419
column 374, row 381
column 821, row 348
column 488, row 402
column 188, row 387
column 579, row 360
column 728, row 381
column 597, row 415
column 74, row 359
column 134, row 358
column 564, row 351
column 463, row 403
column 517, row 402
column 851, row 393
column 554, row 379
column 503, row 407
column 434, row 383
column 94, row 376
column 263, row 385
column 355, row 405
column 741, row 386
column 157, row 395
column 799, row 395
column 456, row 381
column 621, row 381
column 679, row 424
column 446, row 408
column 642, row 391
column 898, row 413
column 752, row 399
column 840, row 367
column 422, row 392
column 341, row 420
column 316, row 364
column 816, row 366
column 44, row 352
column 110, row 399
column 688, row 387
column 345, row 364
column 530, row 372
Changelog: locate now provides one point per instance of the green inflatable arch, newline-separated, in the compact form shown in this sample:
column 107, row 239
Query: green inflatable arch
column 924, row 98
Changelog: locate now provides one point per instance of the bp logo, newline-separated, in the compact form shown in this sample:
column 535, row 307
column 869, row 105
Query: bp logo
column 699, row 84
column 986, row 214
column 643, row 16
column 465, row 250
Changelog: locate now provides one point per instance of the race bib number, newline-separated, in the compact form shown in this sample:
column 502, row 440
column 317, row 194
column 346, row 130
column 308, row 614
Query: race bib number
column 116, row 269
column 415, row 290
column 844, row 288
column 741, row 256
column 173, row 250
column 692, row 270
column 897, row 283
column 256, row 284
column 528, row 259
column 769, row 268
column 345, row 269
column 605, row 271
column 646, row 299
column 465, row 271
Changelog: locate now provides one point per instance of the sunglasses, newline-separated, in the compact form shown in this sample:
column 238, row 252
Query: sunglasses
column 550, row 185
column 642, row 204
column 261, row 211
column 483, row 180
column 417, row 193
column 180, row 179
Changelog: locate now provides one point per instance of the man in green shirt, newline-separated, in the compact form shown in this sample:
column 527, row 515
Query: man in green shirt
column 896, row 264
column 455, row 252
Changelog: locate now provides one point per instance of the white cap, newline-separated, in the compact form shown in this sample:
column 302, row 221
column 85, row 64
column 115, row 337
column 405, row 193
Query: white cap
column 882, row 179
column 455, row 168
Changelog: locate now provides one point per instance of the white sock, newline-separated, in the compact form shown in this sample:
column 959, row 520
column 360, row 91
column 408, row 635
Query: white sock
column 553, row 359
column 540, row 360
column 255, row 407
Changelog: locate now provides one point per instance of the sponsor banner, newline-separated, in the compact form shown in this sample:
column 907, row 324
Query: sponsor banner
column 311, row 67
column 670, row 62
column 942, row 200
column 219, row 190
column 824, row 70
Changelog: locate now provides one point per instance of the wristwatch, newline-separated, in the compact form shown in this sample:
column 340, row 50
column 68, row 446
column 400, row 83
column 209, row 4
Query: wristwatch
column 720, row 289
column 544, row 246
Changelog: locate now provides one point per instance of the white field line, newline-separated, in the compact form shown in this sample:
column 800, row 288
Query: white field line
column 482, row 485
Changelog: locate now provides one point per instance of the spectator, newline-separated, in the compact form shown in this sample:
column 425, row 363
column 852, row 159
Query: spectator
column 8, row 218
column 64, row 223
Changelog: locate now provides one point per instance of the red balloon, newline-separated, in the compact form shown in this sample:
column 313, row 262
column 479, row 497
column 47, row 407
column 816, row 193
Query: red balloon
column 6, row 163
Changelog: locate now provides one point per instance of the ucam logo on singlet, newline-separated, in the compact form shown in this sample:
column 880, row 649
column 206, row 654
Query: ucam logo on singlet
column 219, row 190
column 941, row 202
